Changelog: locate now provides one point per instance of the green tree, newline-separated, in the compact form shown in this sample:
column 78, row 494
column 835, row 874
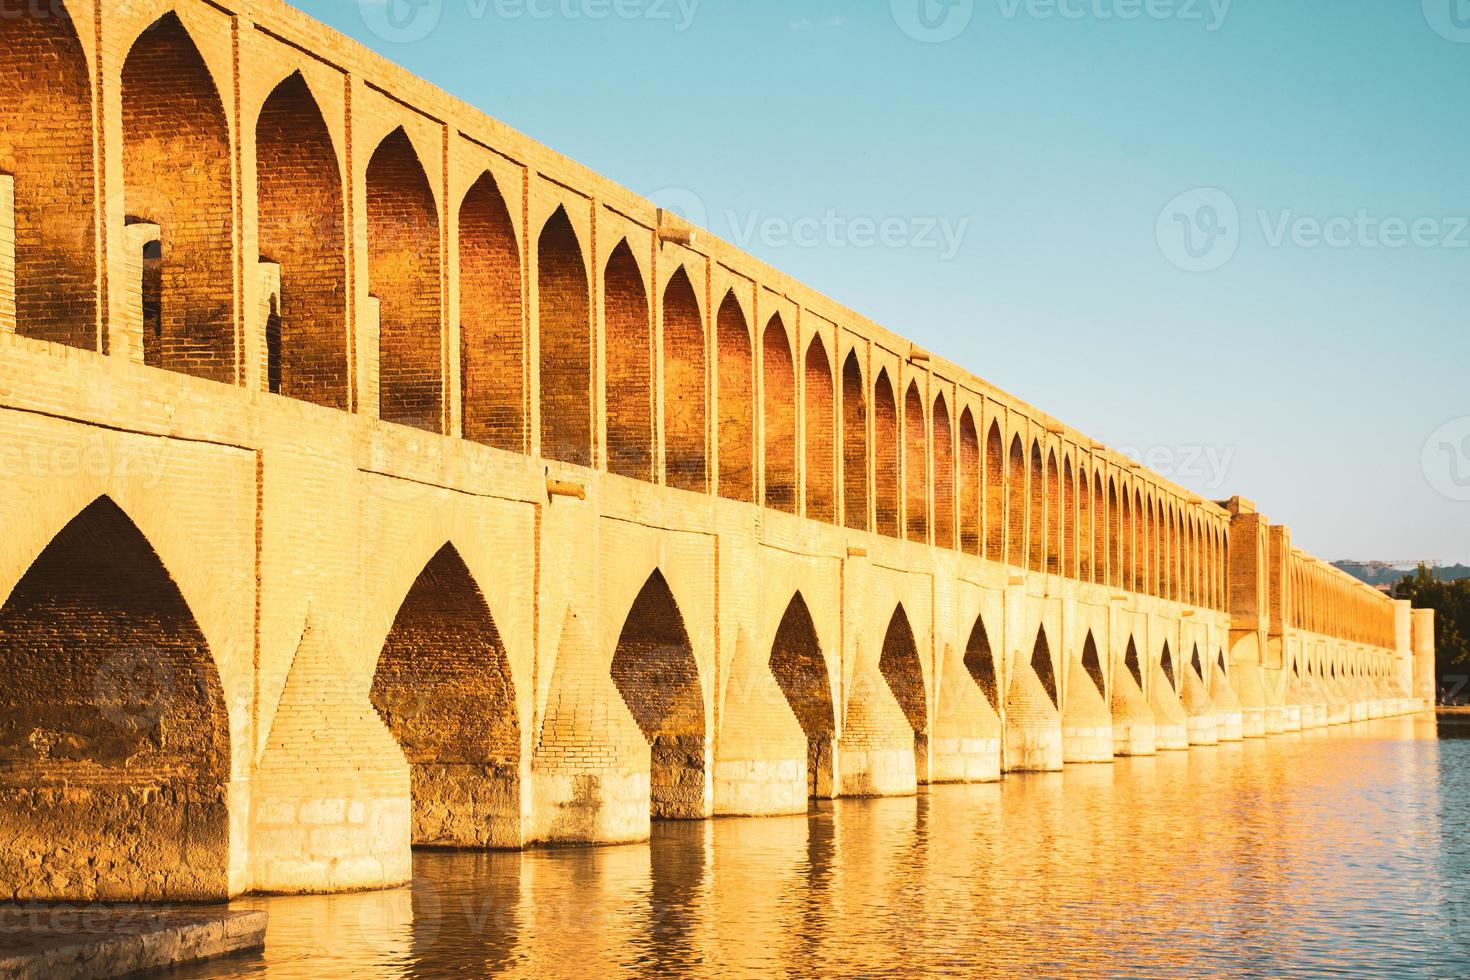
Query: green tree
column 1451, row 604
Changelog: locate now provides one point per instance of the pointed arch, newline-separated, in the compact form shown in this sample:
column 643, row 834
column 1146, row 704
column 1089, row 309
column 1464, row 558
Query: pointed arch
column 492, row 320
column 443, row 686
column 737, row 402
column 1139, row 564
column 655, row 671
column 899, row 664
column 565, row 321
column 629, row 366
column 1166, row 662
column 1115, row 537
column 1085, row 511
column 915, row 466
column 177, row 174
column 943, row 475
column 404, row 276
column 969, row 495
column 801, row 673
column 301, row 223
column 887, row 454
column 1129, row 554
column 686, row 463
column 1016, row 481
column 109, row 689
column 1041, row 662
column 1068, row 522
column 995, row 495
column 1100, row 529
column 821, row 435
column 854, row 444
column 1055, row 553
column 1149, row 553
column 1132, row 663
column 779, row 417
column 980, row 662
column 1036, row 500
column 46, row 144
column 1092, row 665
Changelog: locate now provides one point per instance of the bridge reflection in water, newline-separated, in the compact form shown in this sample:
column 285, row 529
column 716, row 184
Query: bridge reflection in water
column 1333, row 851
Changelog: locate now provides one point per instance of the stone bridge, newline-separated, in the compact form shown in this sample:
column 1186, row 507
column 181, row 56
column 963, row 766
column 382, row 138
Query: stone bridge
column 376, row 477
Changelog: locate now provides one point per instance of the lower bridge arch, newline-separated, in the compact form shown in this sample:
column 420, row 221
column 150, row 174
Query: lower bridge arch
column 801, row 672
column 655, row 671
column 114, row 734
column 443, row 687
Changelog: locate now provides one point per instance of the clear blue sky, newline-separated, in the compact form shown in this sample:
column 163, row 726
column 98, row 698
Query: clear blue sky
column 1050, row 138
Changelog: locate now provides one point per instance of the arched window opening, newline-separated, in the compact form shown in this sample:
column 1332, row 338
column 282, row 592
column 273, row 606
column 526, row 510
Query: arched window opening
column 1036, row 499
column 46, row 146
column 492, row 321
column 404, row 275
column 564, row 315
column 629, row 367
column 1055, row 550
column 177, row 175
column 821, row 436
column 854, row 445
column 685, row 464
column 737, row 402
column 779, row 417
column 886, row 450
column 969, row 465
column 302, row 229
column 943, row 475
column 995, row 495
column 916, row 466
column 1016, row 480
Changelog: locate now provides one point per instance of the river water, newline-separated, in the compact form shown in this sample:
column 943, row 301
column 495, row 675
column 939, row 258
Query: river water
column 1340, row 852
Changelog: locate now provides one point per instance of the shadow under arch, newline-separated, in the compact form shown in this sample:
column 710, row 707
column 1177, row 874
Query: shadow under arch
column 110, row 691
column 655, row 671
column 801, row 672
column 443, row 686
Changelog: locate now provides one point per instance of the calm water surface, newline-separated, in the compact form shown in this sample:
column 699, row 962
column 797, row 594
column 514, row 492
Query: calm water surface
column 1333, row 853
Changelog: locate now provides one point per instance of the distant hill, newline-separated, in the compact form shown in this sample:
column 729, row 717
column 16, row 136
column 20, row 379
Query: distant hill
column 1377, row 573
